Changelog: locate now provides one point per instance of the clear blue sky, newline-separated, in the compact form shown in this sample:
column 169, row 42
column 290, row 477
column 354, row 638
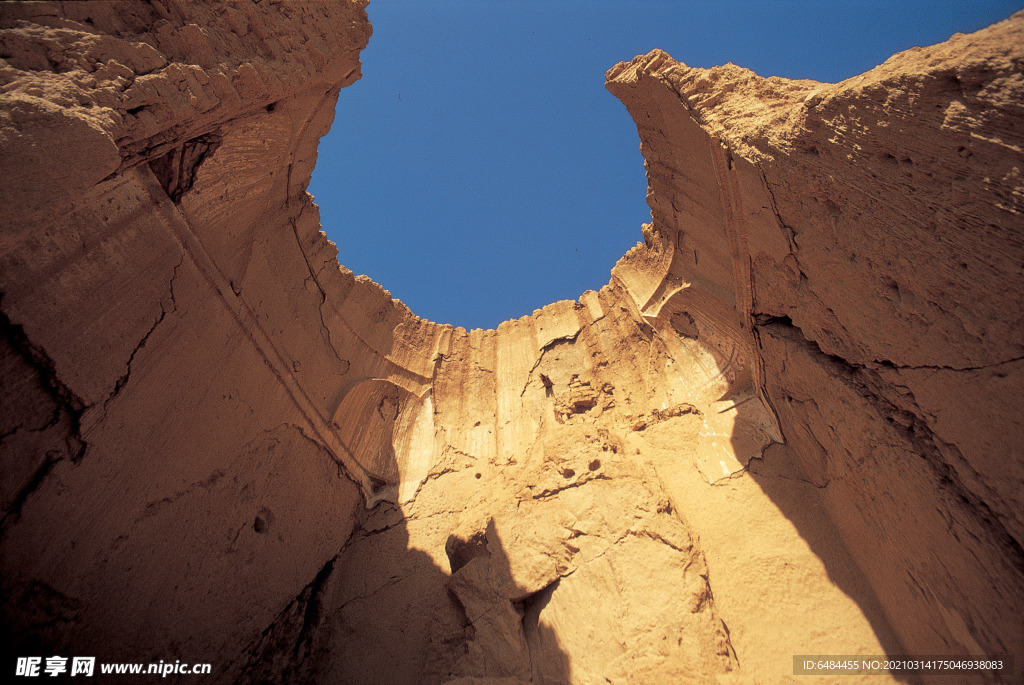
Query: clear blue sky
column 480, row 170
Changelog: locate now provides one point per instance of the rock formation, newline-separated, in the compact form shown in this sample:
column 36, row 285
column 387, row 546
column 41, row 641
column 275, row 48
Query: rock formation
column 788, row 425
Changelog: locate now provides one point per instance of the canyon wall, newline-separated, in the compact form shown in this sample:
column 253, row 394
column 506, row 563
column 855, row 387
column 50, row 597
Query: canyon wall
column 787, row 425
column 170, row 478
column 869, row 237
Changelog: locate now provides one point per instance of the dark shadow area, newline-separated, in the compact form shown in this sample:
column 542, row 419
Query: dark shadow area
column 383, row 612
column 505, row 634
column 781, row 475
column 39, row 428
column 892, row 526
column 553, row 666
column 711, row 342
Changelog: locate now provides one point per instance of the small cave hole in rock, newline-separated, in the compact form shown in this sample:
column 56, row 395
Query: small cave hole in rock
column 176, row 169
column 461, row 551
column 388, row 408
column 595, row 465
column 568, row 473
column 263, row 520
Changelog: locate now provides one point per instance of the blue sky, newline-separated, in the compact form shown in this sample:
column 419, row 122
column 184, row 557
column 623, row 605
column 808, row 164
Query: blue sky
column 480, row 170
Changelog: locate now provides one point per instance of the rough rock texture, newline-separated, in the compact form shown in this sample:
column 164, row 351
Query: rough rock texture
column 788, row 425
column 870, row 237
column 169, row 476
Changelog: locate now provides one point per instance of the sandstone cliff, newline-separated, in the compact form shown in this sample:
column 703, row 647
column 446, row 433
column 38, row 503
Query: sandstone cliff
column 787, row 425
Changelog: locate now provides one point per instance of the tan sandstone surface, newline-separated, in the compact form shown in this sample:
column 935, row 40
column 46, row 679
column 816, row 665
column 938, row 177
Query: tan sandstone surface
column 789, row 424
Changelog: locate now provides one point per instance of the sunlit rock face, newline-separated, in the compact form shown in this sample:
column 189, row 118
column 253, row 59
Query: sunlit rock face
column 867, row 238
column 788, row 424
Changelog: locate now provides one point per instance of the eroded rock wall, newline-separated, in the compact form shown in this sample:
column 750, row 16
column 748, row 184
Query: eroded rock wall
column 791, row 406
column 868, row 236
column 167, row 480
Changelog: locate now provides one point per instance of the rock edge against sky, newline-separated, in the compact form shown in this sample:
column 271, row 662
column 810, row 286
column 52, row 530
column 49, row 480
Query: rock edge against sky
column 794, row 404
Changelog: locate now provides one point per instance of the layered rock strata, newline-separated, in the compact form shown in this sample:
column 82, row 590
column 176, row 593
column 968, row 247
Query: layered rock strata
column 874, row 234
column 793, row 405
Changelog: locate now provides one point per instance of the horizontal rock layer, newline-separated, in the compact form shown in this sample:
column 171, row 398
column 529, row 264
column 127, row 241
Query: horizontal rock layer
column 793, row 404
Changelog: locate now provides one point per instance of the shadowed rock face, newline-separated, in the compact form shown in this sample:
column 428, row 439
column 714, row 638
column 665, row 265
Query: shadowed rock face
column 788, row 424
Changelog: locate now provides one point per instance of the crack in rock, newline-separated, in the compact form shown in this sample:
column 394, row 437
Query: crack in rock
column 912, row 427
column 67, row 405
column 323, row 294
column 123, row 380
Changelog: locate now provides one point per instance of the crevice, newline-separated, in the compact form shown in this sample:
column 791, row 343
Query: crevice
column 279, row 652
column 393, row 580
column 656, row 416
column 772, row 320
column 762, row 383
column 11, row 432
column 560, row 340
column 551, row 492
column 438, row 359
column 565, row 339
column 769, row 321
column 363, row 534
column 66, row 404
column 913, row 427
column 443, row 471
column 152, row 508
column 752, row 470
column 651, row 535
column 123, row 380
column 13, row 513
column 313, row 593
column 939, row 367
column 323, row 294
column 790, row 233
column 298, row 429
column 65, row 399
